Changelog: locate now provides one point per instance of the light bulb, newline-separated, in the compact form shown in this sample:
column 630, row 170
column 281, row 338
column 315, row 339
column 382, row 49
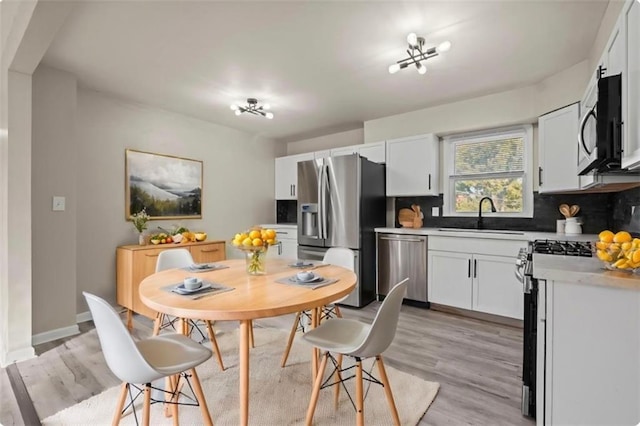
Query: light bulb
column 394, row 68
column 269, row 115
column 266, row 106
column 421, row 68
column 444, row 46
column 412, row 39
column 234, row 107
column 238, row 112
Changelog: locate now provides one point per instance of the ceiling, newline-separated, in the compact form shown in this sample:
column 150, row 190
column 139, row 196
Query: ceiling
column 322, row 66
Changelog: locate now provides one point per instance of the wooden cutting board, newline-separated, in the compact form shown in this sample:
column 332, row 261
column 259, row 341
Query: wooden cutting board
column 406, row 215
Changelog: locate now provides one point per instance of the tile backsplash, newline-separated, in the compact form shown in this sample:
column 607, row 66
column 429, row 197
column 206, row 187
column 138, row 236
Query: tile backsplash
column 597, row 211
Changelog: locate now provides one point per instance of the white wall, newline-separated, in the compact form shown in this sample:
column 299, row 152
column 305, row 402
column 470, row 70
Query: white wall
column 54, row 159
column 335, row 140
column 237, row 190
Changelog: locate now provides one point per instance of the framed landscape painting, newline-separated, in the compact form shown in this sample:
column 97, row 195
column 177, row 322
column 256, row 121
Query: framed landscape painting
column 166, row 187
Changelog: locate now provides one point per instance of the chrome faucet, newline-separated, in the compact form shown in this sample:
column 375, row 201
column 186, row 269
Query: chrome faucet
column 493, row 209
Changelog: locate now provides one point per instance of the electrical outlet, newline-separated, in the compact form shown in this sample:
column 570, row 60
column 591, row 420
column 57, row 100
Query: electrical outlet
column 435, row 211
column 58, row 204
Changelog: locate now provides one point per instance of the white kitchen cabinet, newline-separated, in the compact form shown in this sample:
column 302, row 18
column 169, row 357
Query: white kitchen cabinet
column 322, row 154
column 372, row 151
column 475, row 274
column 591, row 354
column 287, row 235
column 557, row 132
column 413, row 166
column 286, row 174
column 614, row 54
column 449, row 281
column 631, row 86
column 375, row 152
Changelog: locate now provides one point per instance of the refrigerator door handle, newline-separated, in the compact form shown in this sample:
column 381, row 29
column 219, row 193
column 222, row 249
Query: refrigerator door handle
column 320, row 202
column 323, row 208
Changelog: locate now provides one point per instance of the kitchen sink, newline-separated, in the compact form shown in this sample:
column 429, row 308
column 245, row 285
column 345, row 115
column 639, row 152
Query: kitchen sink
column 482, row 231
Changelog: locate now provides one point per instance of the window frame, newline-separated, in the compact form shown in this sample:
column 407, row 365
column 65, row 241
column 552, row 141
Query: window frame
column 449, row 142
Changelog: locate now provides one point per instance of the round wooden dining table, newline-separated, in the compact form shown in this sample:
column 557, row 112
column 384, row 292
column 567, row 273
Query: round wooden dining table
column 252, row 297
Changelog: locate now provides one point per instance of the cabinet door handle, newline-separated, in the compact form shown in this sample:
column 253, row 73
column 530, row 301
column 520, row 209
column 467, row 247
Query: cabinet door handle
column 210, row 250
column 294, row 190
column 469, row 268
column 429, row 181
column 291, row 190
column 151, row 255
column 539, row 176
column 475, row 268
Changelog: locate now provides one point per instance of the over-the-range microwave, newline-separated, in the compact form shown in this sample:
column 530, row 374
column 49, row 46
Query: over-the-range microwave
column 600, row 131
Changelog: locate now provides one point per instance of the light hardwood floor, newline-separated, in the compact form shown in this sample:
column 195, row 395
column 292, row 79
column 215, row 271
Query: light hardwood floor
column 477, row 364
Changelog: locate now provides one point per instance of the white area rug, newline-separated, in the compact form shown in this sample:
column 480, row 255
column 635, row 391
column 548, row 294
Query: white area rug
column 278, row 396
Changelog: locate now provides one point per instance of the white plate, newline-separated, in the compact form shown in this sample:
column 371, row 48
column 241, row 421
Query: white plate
column 302, row 265
column 182, row 290
column 202, row 266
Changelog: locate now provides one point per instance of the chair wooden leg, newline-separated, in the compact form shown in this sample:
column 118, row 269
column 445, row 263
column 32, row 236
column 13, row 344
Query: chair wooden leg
column 387, row 390
column 174, row 407
column 315, row 313
column 129, row 320
column 338, row 379
column 197, row 389
column 292, row 334
column 251, row 341
column 214, row 344
column 123, row 396
column 359, row 395
column 316, row 390
column 157, row 324
column 338, row 312
column 146, row 408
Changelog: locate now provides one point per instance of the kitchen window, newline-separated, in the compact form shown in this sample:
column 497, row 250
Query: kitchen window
column 496, row 164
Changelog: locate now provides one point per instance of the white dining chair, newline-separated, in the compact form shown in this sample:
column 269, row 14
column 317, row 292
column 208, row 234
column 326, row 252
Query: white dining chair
column 353, row 338
column 181, row 258
column 169, row 355
column 338, row 256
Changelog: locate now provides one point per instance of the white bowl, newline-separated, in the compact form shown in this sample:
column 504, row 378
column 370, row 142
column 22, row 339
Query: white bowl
column 305, row 276
column 192, row 283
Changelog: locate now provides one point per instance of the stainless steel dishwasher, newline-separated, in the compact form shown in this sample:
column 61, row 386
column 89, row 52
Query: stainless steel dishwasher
column 401, row 256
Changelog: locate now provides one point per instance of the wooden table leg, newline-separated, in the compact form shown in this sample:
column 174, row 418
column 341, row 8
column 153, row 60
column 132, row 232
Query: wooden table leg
column 129, row 319
column 244, row 371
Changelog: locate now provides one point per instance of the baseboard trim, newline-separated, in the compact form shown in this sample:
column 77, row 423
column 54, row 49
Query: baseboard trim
column 511, row 322
column 84, row 317
column 58, row 333
column 18, row 355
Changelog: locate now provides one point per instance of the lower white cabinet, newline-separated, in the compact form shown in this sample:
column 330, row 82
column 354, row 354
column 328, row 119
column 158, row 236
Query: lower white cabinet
column 470, row 280
column 287, row 235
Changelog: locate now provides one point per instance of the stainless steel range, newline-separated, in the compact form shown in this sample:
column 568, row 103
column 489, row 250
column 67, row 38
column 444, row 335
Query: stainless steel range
column 535, row 317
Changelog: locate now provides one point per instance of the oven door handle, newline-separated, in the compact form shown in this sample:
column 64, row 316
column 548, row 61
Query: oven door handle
column 519, row 274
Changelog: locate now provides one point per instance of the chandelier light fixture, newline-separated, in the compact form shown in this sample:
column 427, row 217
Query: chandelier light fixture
column 418, row 53
column 253, row 108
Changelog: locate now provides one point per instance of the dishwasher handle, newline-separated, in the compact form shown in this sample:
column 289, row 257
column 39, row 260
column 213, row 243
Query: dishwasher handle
column 402, row 238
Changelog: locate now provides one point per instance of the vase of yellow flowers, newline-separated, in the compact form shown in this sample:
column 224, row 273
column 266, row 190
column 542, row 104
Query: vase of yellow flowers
column 139, row 221
column 255, row 243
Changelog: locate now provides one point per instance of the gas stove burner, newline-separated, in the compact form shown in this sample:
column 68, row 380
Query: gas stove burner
column 563, row 248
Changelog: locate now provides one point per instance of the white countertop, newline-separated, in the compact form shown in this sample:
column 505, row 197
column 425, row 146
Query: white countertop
column 489, row 233
column 582, row 270
column 280, row 225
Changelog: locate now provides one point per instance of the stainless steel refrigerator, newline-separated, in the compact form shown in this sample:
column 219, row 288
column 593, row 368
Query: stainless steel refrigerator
column 340, row 202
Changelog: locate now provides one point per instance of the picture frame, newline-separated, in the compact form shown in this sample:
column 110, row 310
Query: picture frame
column 166, row 186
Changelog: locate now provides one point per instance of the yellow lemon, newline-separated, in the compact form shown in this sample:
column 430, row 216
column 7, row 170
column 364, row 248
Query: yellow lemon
column 271, row 234
column 604, row 256
column 622, row 264
column 247, row 242
column 257, row 242
column 606, row 236
column 636, row 242
column 626, row 246
column 636, row 256
column 254, row 234
column 236, row 242
column 622, row 237
column 601, row 245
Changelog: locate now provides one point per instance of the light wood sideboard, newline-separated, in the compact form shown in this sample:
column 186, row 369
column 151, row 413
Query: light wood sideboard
column 135, row 262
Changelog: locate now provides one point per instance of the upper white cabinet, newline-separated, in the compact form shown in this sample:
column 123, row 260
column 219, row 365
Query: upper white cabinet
column 375, row 152
column 372, row 151
column 613, row 57
column 286, row 173
column 630, row 21
column 557, row 132
column 413, row 166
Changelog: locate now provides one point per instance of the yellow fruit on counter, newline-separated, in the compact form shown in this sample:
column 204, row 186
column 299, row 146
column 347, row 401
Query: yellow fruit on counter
column 601, row 245
column 201, row 236
column 635, row 258
column 621, row 264
column 622, row 237
column 247, row 242
column 604, row 256
column 257, row 242
column 606, row 236
column 254, row 234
